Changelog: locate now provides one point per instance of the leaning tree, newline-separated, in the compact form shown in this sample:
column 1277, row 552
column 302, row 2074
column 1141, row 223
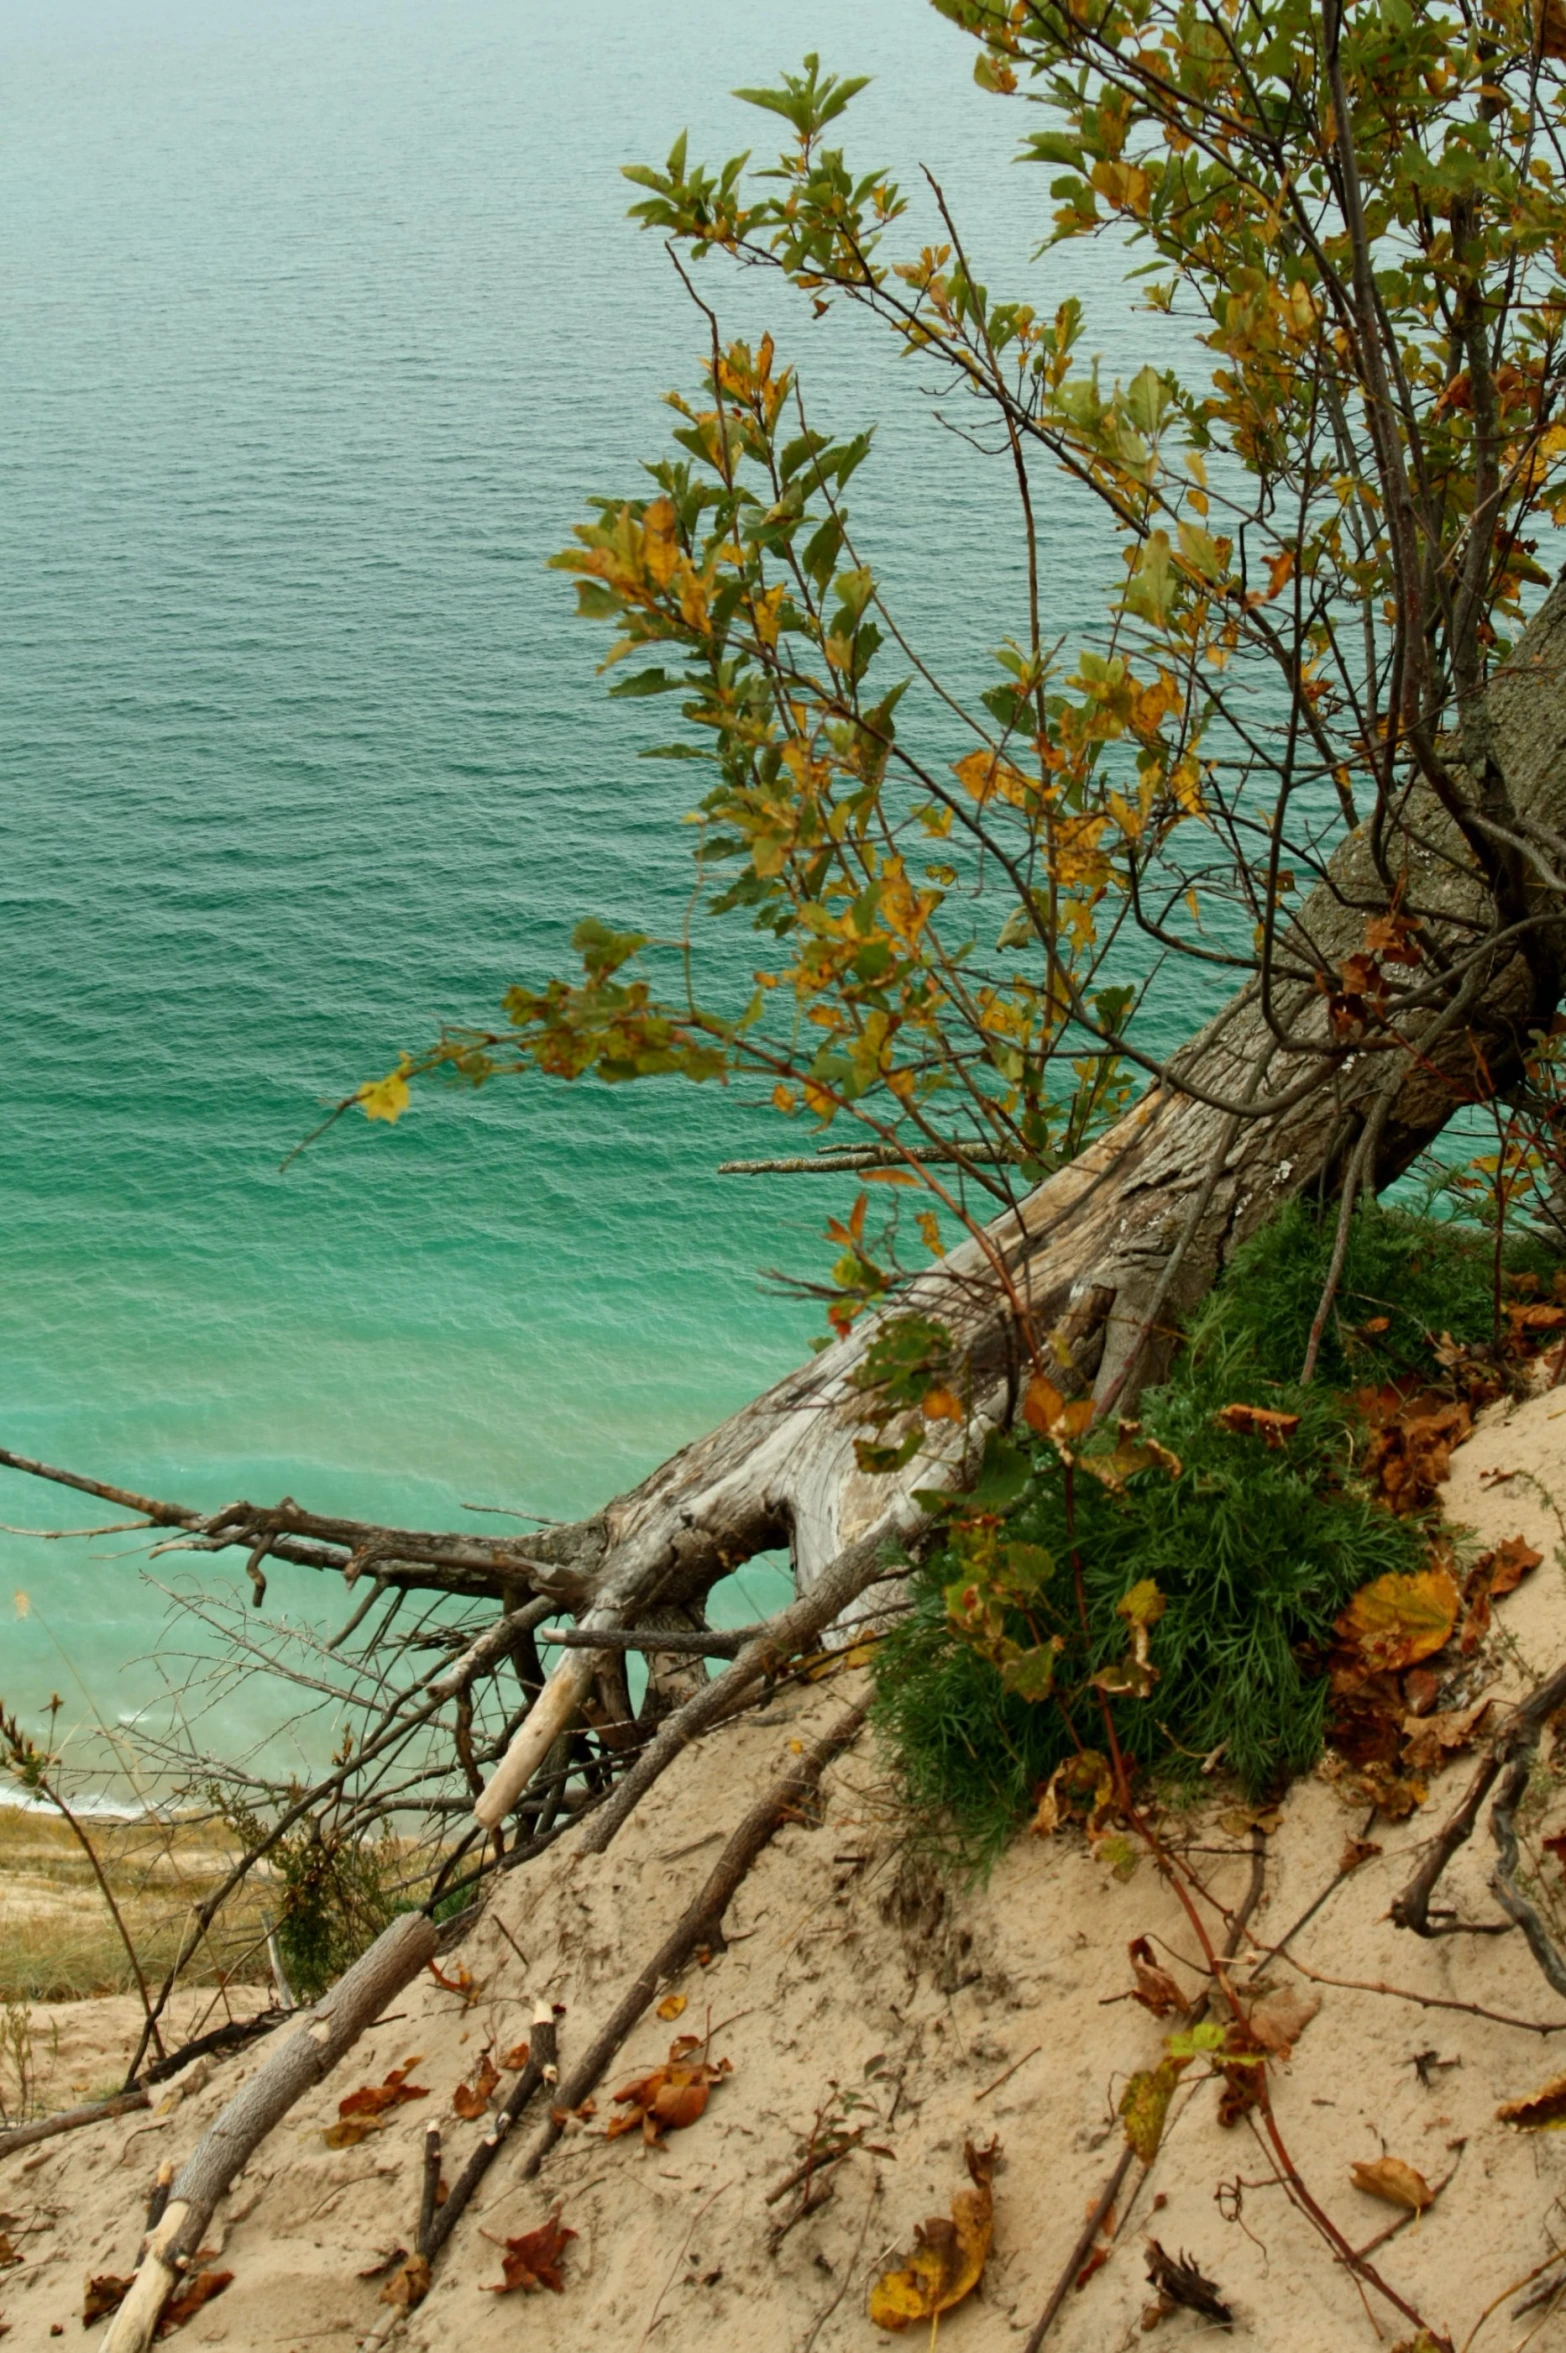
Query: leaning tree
column 1313, row 748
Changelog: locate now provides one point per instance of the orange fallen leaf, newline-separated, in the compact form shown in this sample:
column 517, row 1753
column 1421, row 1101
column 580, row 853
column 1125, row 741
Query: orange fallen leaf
column 672, row 2006
column 1279, row 2019
column 459, row 1982
column 1358, row 1850
column 671, row 2097
column 1509, row 1563
column 1542, row 2111
column 104, row 2295
column 516, row 2057
column 196, row 2292
column 1259, row 1421
column 364, row 2111
column 533, row 2261
column 1395, row 2183
column 949, row 2253
column 471, row 2100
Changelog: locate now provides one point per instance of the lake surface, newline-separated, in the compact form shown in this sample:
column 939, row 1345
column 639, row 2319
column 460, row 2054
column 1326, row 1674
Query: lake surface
column 318, row 325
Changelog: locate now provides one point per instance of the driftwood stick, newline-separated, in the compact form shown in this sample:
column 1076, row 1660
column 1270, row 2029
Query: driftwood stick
column 22, row 2136
column 1520, row 1730
column 540, row 2069
column 855, row 1570
column 702, row 1920
column 309, row 2055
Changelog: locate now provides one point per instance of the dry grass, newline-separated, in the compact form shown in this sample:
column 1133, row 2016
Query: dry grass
column 57, row 1940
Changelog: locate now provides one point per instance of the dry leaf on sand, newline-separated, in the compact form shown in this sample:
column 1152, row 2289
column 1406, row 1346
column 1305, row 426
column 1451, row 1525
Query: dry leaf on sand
column 1156, row 1990
column 192, row 2296
column 1543, row 2110
column 1508, row 1564
column 1395, row 2183
column 105, row 2294
column 1279, row 2019
column 471, row 2100
column 1428, row 1741
column 949, row 2253
column 365, row 2111
column 671, row 2097
column 516, row 2058
column 672, row 2006
column 1181, row 2282
column 533, row 2261
column 409, row 2283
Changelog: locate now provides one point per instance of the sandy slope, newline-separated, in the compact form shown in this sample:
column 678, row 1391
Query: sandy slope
column 851, row 1974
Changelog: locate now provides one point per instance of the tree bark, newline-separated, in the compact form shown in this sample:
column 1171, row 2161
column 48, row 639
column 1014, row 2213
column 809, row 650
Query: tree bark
column 1097, row 1263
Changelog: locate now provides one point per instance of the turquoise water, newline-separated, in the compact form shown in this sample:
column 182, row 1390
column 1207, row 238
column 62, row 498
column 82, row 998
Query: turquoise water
column 320, row 323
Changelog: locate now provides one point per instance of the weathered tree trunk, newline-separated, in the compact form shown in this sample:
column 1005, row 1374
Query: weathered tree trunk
column 1093, row 1265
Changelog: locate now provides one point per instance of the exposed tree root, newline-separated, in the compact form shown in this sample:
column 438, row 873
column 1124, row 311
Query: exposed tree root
column 1511, row 1751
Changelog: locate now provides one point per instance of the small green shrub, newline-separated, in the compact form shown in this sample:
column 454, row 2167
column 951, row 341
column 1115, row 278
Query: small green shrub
column 1253, row 1549
column 1424, row 1275
column 338, row 1894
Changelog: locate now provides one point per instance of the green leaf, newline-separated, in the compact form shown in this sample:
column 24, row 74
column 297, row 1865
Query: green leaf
column 1004, row 1475
column 1031, row 1673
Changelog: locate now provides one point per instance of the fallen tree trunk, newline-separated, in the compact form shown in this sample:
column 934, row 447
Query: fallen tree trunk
column 1090, row 1270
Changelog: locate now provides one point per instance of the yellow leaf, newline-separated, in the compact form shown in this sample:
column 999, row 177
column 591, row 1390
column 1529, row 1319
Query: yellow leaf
column 672, row 2006
column 1395, row 2183
column 1042, row 1406
column 384, row 1098
column 949, row 2254
column 660, row 542
column 1400, row 1620
column 941, row 1405
column 1200, row 551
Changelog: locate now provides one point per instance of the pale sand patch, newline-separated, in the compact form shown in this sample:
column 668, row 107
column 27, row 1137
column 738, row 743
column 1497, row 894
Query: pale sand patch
column 850, row 1970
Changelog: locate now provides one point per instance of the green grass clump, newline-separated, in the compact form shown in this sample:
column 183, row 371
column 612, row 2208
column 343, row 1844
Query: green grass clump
column 1425, row 1275
column 1254, row 1550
